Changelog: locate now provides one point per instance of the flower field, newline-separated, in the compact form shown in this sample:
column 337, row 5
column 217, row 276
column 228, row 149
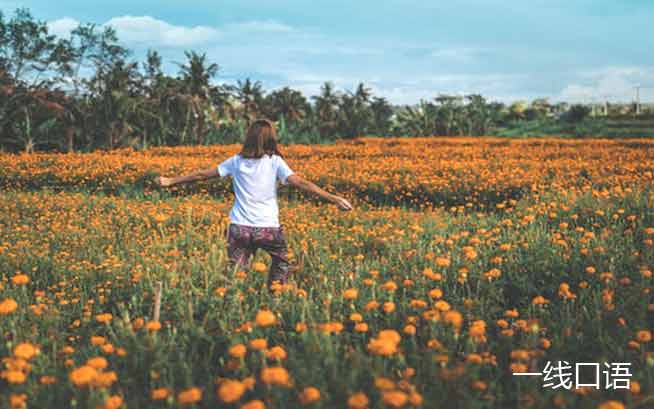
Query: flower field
column 464, row 261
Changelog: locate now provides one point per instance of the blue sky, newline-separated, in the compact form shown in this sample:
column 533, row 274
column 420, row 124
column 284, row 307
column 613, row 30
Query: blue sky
column 575, row 50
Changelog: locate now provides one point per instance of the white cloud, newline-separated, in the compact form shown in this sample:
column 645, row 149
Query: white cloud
column 150, row 31
column 266, row 26
column 63, row 26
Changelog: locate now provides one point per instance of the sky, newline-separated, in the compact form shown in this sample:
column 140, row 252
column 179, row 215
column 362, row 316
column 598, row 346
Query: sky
column 404, row 50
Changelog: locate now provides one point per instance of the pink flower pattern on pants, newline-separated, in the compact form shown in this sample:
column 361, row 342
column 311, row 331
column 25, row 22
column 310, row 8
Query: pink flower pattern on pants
column 243, row 242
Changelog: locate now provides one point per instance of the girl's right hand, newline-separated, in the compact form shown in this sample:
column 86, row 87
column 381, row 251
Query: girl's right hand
column 163, row 181
column 343, row 203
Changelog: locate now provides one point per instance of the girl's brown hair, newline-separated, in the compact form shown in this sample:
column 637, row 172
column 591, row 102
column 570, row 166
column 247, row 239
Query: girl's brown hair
column 260, row 139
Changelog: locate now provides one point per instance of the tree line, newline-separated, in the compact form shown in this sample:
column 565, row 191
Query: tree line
column 85, row 92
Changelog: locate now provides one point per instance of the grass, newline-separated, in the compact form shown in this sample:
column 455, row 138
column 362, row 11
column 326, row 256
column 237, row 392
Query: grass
column 411, row 300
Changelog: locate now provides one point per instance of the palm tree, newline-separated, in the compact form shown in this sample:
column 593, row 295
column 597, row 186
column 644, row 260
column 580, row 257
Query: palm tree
column 382, row 112
column 289, row 103
column 355, row 114
column 417, row 121
column 326, row 107
column 448, row 113
column 250, row 96
column 196, row 73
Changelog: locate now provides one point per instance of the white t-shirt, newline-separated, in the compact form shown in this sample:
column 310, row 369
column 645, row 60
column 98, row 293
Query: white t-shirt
column 255, row 188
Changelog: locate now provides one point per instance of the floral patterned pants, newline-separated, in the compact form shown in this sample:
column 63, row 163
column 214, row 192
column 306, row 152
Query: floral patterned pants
column 243, row 242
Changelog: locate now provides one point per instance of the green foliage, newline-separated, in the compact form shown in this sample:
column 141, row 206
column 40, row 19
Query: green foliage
column 89, row 94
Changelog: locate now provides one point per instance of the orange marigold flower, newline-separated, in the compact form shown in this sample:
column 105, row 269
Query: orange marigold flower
column 388, row 307
column 644, row 336
column 160, row 393
column 254, row 404
column 276, row 352
column 13, row 376
column 83, row 376
column 350, row 294
column 20, row 279
column 238, row 351
column 265, row 318
column 231, row 390
column 454, row 318
column 395, row 399
column 361, row 327
column 189, row 396
column 26, row 351
column 98, row 362
column 259, row 344
column 435, row 293
column 7, row 306
column 442, row 261
column 384, row 384
column 113, row 402
column 47, row 380
column 153, row 326
column 104, row 318
column 18, row 401
column 309, row 395
column 275, row 375
column 358, row 401
column 259, row 267
column 611, row 404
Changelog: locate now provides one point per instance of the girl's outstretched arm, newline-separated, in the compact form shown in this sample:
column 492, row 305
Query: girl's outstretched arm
column 192, row 177
column 310, row 187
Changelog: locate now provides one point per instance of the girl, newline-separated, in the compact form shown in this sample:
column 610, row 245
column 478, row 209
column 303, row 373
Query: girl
column 254, row 221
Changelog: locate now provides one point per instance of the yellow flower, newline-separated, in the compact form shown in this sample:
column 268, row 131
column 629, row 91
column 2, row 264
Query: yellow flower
column 8, row 306
column 309, row 395
column 189, row 396
column 230, row 391
column 265, row 318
